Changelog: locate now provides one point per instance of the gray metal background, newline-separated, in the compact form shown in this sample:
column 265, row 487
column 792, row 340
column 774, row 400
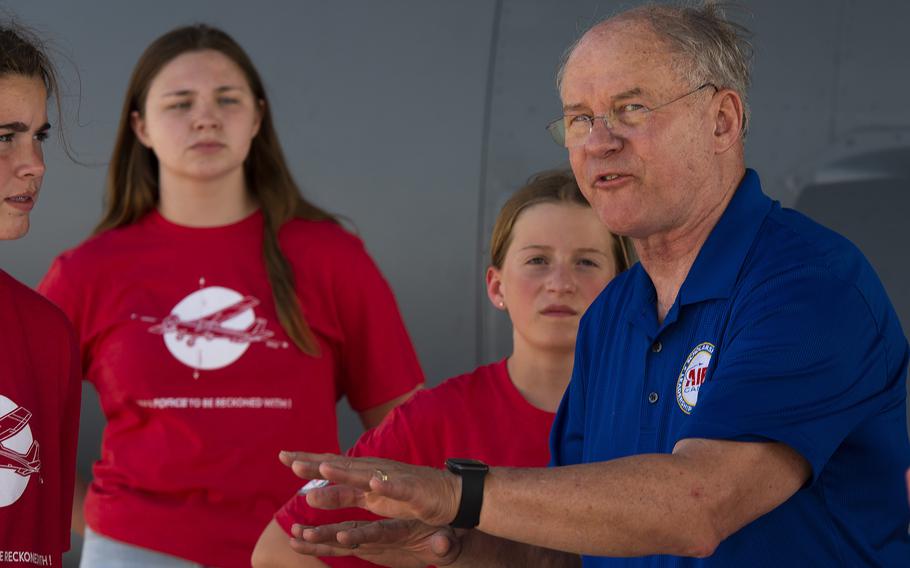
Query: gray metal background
column 417, row 119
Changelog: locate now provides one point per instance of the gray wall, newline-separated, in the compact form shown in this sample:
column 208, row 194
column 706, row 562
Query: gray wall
column 416, row 119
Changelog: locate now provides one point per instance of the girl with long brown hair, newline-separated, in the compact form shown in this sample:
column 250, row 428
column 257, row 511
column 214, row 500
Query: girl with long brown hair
column 220, row 316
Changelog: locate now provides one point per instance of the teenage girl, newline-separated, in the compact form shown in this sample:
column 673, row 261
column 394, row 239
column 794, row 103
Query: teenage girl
column 220, row 315
column 550, row 257
column 40, row 383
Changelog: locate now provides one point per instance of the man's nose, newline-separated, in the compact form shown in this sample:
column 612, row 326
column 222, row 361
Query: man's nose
column 603, row 138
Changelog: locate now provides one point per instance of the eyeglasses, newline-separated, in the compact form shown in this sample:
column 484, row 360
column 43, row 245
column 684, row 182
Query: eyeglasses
column 573, row 130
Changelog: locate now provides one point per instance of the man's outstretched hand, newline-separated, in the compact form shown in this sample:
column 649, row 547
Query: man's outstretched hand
column 383, row 487
column 389, row 542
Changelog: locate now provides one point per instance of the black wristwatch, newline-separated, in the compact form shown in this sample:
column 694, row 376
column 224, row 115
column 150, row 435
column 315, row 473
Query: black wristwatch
column 472, row 474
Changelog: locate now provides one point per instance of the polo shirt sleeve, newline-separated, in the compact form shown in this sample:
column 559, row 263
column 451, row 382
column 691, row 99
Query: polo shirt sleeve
column 801, row 362
column 567, row 434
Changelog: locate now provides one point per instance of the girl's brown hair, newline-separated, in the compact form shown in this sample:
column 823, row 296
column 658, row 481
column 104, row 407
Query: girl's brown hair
column 555, row 186
column 24, row 53
column 132, row 180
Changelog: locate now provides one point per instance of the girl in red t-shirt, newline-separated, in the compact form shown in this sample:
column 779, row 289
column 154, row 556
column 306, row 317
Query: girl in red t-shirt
column 220, row 315
column 550, row 257
column 40, row 384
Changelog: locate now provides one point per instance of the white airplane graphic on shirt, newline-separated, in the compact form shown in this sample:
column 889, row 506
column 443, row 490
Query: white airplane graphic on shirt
column 209, row 327
column 10, row 425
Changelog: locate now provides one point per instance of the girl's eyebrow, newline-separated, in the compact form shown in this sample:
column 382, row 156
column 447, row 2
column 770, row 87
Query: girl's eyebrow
column 185, row 92
column 22, row 127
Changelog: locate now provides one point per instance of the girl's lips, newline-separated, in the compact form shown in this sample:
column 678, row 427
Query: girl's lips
column 207, row 146
column 559, row 311
column 21, row 202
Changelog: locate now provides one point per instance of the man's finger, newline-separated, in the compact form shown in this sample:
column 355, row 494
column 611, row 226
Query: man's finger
column 335, row 497
column 310, row 549
column 384, row 532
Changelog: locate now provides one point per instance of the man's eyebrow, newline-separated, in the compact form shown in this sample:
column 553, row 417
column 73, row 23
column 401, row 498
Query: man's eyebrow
column 627, row 94
column 633, row 92
column 14, row 126
column 44, row 127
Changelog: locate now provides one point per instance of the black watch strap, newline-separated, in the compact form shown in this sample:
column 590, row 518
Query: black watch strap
column 472, row 473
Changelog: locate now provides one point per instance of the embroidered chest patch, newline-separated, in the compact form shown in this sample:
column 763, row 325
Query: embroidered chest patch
column 692, row 376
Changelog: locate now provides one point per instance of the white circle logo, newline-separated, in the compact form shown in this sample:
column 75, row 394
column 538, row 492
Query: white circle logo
column 207, row 329
column 692, row 376
column 211, row 328
column 18, row 451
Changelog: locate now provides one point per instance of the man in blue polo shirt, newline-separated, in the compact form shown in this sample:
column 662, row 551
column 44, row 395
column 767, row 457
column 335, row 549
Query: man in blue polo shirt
column 738, row 397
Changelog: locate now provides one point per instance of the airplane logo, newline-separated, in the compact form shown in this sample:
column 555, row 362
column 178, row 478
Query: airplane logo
column 11, row 424
column 210, row 327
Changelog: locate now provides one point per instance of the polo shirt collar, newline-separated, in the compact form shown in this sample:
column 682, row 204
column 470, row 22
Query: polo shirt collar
column 715, row 270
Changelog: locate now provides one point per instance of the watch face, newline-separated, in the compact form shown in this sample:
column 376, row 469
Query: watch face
column 463, row 464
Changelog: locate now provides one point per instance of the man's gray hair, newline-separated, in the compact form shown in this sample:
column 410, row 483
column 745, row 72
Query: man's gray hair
column 709, row 47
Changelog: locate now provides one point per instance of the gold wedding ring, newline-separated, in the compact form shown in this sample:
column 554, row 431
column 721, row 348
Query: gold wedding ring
column 381, row 475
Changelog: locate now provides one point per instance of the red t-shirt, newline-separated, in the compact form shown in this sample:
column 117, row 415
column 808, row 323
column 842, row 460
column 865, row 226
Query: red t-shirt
column 199, row 382
column 480, row 415
column 40, row 390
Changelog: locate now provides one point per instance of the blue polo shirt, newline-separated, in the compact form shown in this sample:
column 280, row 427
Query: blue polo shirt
column 781, row 332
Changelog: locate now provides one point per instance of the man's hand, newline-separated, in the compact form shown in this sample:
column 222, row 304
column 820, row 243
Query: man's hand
column 389, row 542
column 384, row 487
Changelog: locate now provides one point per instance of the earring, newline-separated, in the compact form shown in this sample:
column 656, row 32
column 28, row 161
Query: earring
column 502, row 304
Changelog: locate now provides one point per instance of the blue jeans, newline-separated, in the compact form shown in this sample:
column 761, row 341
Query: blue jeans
column 99, row 551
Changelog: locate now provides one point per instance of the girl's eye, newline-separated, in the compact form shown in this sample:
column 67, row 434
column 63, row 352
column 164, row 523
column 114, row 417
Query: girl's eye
column 588, row 262
column 227, row 101
column 182, row 105
column 537, row 260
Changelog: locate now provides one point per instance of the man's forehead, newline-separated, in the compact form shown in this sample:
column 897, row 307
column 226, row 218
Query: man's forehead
column 615, row 59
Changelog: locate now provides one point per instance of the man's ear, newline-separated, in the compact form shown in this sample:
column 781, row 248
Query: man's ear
column 137, row 122
column 728, row 119
column 494, row 288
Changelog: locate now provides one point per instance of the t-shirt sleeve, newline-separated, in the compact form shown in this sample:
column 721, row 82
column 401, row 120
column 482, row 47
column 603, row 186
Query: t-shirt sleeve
column 377, row 357
column 392, row 439
column 802, row 363
column 567, row 433
column 60, row 286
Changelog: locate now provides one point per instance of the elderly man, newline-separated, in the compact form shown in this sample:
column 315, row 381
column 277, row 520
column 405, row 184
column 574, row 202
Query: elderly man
column 738, row 397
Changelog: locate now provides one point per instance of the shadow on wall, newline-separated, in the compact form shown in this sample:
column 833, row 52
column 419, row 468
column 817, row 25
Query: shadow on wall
column 866, row 198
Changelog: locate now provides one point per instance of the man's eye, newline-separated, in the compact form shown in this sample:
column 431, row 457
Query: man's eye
column 579, row 120
column 42, row 136
column 630, row 107
column 7, row 137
